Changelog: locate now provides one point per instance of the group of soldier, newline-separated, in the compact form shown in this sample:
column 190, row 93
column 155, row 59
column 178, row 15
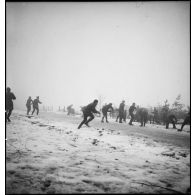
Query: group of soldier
column 142, row 112
column 121, row 112
column 9, row 104
column 91, row 108
column 35, row 104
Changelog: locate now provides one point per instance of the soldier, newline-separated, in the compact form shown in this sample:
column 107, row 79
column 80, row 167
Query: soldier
column 121, row 111
column 186, row 121
column 88, row 111
column 105, row 109
column 28, row 104
column 36, row 103
column 9, row 103
column 171, row 119
column 143, row 116
column 69, row 109
column 131, row 113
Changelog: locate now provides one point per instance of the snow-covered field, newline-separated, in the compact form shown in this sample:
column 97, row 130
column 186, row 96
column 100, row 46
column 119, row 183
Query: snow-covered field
column 55, row 157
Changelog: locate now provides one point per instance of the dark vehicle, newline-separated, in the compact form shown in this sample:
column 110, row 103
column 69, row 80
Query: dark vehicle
column 171, row 118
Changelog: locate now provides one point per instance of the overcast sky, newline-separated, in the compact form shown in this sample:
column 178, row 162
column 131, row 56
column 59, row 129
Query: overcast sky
column 72, row 53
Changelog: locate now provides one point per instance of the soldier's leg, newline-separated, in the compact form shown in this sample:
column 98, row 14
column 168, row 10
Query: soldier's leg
column 33, row 110
column 124, row 118
column 37, row 111
column 117, row 118
column 83, row 121
column 102, row 118
column 130, row 122
column 90, row 119
column 145, row 120
column 132, row 118
column 120, row 118
column 28, row 110
column 141, row 121
column 106, row 116
column 9, row 114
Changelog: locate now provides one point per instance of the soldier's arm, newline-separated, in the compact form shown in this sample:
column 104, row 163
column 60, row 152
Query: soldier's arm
column 95, row 111
column 112, row 109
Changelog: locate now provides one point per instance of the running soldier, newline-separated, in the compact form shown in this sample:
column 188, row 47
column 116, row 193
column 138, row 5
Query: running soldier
column 106, row 109
column 88, row 112
column 36, row 103
column 131, row 113
column 28, row 104
column 9, row 104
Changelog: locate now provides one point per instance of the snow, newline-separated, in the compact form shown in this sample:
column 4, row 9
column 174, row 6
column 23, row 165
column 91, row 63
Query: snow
column 45, row 156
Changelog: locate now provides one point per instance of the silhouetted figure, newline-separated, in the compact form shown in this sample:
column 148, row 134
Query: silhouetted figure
column 88, row 112
column 9, row 103
column 117, row 114
column 28, row 104
column 70, row 110
column 171, row 119
column 143, row 116
column 106, row 109
column 125, row 116
column 131, row 113
column 121, row 111
column 36, row 103
column 187, row 121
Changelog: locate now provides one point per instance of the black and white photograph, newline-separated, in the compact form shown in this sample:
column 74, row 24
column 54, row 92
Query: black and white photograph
column 98, row 97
